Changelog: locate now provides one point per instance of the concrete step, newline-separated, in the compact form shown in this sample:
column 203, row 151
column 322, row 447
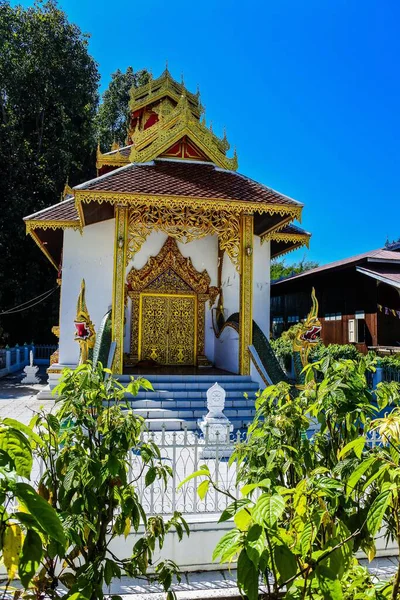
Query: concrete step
column 175, row 424
column 190, row 413
column 188, row 393
column 173, row 403
column 189, row 378
column 183, row 386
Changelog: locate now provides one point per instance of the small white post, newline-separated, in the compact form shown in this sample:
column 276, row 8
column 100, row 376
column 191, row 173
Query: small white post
column 31, row 371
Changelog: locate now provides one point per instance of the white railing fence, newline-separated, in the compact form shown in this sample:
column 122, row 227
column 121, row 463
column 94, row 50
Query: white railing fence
column 182, row 451
column 16, row 358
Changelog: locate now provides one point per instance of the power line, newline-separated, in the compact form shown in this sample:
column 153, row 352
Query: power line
column 31, row 303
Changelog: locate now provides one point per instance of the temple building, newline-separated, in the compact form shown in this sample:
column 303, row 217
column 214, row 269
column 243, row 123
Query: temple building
column 170, row 240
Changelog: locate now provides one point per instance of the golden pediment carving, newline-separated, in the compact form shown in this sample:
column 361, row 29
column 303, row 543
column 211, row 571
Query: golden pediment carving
column 168, row 262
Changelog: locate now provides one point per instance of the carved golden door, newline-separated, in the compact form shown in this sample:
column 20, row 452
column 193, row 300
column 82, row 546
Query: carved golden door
column 168, row 328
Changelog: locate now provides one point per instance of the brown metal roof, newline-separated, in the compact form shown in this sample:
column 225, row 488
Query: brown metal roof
column 390, row 272
column 190, row 179
column 64, row 211
column 364, row 258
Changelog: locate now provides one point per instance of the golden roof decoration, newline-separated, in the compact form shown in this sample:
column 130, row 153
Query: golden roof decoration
column 159, row 88
column 171, row 127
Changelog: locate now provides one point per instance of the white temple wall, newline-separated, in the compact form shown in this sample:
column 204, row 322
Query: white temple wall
column 227, row 350
column 203, row 254
column 90, row 257
column 230, row 283
column 261, row 284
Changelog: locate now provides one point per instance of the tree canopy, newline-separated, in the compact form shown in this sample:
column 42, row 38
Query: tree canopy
column 112, row 118
column 48, row 101
column 280, row 269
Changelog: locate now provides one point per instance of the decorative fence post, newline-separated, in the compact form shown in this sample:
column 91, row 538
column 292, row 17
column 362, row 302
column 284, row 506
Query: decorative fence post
column 8, row 358
column 378, row 375
column 17, row 356
column 26, row 354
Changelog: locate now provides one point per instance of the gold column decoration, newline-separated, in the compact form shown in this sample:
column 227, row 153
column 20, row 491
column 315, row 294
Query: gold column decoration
column 118, row 298
column 84, row 328
column 246, row 293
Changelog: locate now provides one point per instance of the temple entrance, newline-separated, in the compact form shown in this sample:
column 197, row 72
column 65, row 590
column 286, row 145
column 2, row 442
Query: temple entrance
column 168, row 304
column 167, row 330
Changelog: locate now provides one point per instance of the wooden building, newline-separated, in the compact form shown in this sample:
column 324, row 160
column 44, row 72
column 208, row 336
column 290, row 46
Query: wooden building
column 359, row 300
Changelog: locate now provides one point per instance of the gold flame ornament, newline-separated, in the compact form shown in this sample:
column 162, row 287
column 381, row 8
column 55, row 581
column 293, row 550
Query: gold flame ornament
column 309, row 333
column 84, row 328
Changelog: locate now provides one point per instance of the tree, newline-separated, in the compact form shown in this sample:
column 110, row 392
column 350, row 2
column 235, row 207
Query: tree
column 112, row 119
column 280, row 269
column 48, row 101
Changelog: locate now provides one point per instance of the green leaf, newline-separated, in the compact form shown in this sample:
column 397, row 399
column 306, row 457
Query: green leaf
column 246, row 489
column 41, row 510
column 150, row 476
column 232, row 509
column 268, row 509
column 227, row 546
column 285, row 562
column 247, row 576
column 358, row 473
column 243, row 519
column 329, row 586
column 15, row 444
column 306, row 538
column 203, row 489
column 357, row 445
column 255, row 543
column 377, row 511
column 202, row 472
column 30, row 557
column 24, row 429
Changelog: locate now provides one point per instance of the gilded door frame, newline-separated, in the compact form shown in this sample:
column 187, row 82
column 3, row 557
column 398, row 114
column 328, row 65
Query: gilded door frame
column 167, row 295
column 145, row 280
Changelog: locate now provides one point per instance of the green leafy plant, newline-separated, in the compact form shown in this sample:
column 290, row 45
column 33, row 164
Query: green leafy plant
column 27, row 521
column 86, row 447
column 310, row 502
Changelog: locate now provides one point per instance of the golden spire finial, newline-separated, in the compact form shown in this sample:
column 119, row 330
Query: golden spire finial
column 182, row 80
column 114, row 145
column 68, row 191
column 211, row 127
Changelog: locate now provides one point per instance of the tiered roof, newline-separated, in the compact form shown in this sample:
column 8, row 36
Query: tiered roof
column 171, row 158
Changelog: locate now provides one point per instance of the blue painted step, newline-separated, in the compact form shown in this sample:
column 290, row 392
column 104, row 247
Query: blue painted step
column 178, row 401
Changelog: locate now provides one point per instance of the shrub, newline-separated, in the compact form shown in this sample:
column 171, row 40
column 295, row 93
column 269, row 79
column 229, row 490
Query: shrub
column 310, row 502
column 89, row 491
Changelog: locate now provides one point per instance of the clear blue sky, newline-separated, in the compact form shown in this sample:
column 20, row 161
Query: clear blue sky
column 309, row 93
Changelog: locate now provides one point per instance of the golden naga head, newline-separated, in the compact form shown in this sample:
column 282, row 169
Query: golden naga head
column 309, row 332
column 84, row 328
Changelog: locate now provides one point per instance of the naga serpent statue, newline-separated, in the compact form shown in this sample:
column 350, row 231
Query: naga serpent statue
column 307, row 337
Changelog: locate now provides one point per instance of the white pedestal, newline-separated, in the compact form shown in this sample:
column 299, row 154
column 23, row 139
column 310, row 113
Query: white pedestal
column 215, row 426
column 30, row 375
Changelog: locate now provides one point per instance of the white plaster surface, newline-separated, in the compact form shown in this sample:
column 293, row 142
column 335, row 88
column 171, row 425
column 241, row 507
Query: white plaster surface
column 227, row 350
column 230, row 286
column 88, row 256
column 261, row 284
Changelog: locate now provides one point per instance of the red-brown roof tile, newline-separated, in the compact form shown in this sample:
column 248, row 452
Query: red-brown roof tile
column 190, row 179
column 64, row 211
